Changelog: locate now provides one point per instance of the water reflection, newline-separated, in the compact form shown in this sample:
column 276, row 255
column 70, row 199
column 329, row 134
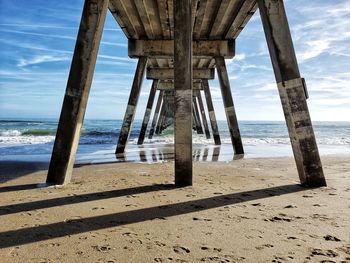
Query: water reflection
column 161, row 153
column 151, row 153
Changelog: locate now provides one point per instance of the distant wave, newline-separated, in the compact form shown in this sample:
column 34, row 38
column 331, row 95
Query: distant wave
column 94, row 136
column 39, row 132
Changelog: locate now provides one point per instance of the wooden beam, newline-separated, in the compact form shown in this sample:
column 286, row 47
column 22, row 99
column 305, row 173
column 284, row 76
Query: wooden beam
column 165, row 48
column 211, row 113
column 156, row 115
column 77, row 92
column 132, row 103
column 202, row 112
column 183, row 91
column 148, row 112
column 229, row 106
column 292, row 92
column 168, row 73
column 170, row 86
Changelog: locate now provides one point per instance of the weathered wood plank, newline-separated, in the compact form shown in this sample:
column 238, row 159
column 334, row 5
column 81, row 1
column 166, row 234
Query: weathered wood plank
column 246, row 10
column 118, row 12
column 224, row 11
column 292, row 93
column 209, row 18
column 77, row 92
column 154, row 18
column 229, row 106
column 199, row 19
column 132, row 104
column 183, row 91
column 170, row 4
column 134, row 17
column 163, row 17
column 144, row 17
column 165, row 48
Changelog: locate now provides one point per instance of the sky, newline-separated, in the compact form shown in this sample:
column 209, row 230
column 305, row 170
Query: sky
column 37, row 40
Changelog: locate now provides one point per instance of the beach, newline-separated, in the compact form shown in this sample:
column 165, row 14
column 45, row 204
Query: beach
column 244, row 210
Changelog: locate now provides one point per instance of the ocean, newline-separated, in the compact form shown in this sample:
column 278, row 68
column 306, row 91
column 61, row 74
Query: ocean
column 32, row 140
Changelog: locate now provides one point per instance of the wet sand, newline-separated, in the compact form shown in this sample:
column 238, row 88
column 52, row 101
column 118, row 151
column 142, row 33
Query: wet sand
column 247, row 210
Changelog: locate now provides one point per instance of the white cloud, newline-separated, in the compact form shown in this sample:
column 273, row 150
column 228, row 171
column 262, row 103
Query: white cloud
column 240, row 57
column 314, row 49
column 40, row 59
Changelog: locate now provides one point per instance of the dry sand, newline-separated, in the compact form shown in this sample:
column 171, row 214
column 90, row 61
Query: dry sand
column 240, row 211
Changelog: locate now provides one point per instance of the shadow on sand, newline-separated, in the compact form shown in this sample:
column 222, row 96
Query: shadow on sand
column 10, row 170
column 82, row 225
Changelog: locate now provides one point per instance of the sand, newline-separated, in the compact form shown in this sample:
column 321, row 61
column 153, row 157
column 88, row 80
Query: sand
column 241, row 211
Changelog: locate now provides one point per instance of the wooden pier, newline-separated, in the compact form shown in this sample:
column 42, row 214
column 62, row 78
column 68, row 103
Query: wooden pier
column 180, row 44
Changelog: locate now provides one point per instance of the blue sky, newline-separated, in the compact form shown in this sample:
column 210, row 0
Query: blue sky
column 37, row 39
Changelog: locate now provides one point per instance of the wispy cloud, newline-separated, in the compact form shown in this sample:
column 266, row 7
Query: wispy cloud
column 41, row 59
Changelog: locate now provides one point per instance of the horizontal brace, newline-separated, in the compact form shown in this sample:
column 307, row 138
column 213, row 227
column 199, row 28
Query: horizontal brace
column 170, row 86
column 165, row 48
column 168, row 73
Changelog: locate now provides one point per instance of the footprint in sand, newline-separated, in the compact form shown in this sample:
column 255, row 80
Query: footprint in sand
column 331, row 238
column 181, row 250
column 290, row 206
column 104, row 249
column 321, row 252
column 201, row 219
column 205, row 248
column 279, row 219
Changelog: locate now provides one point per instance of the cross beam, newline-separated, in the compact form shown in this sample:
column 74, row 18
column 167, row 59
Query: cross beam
column 168, row 73
column 165, row 48
column 170, row 86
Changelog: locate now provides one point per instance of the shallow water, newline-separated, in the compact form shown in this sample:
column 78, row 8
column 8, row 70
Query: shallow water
column 32, row 140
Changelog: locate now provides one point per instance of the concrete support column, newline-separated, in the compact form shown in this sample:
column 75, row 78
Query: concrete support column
column 197, row 119
column 161, row 116
column 148, row 112
column 156, row 114
column 183, row 91
column 202, row 111
column 77, row 92
column 132, row 104
column 211, row 112
column 292, row 92
column 229, row 106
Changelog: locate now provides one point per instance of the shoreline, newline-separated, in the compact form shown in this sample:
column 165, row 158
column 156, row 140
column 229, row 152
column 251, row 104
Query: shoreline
column 154, row 152
column 131, row 212
column 10, row 169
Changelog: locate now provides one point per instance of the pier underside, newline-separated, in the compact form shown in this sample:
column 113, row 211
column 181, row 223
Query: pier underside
column 179, row 45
